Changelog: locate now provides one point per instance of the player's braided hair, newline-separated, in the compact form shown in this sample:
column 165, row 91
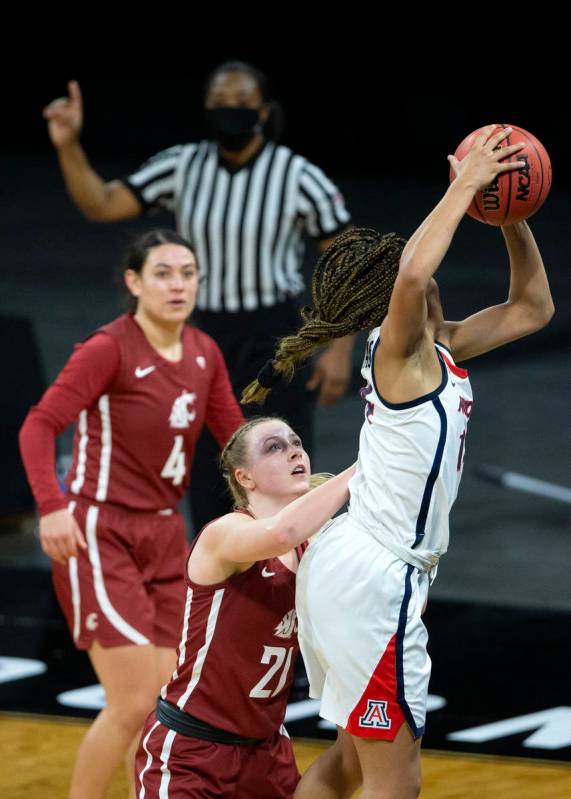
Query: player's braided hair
column 235, row 454
column 351, row 290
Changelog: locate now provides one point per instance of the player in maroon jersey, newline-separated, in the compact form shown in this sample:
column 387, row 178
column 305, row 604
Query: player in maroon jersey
column 218, row 726
column 141, row 388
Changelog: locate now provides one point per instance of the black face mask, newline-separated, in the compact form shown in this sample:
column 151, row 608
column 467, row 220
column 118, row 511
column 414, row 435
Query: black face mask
column 233, row 128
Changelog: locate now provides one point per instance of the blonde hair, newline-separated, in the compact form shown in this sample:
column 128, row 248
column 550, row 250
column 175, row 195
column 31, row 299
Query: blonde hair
column 319, row 478
column 235, row 454
column 351, row 289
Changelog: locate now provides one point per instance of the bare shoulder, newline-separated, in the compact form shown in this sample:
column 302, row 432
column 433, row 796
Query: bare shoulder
column 221, row 526
column 211, row 559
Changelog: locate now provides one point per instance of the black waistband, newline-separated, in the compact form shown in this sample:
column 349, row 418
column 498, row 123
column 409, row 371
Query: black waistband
column 175, row 719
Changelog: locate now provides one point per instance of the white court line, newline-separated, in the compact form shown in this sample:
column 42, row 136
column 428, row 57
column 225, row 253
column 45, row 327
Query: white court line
column 529, row 485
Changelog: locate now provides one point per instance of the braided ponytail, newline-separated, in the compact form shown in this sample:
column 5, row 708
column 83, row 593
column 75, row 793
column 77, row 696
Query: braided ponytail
column 351, row 290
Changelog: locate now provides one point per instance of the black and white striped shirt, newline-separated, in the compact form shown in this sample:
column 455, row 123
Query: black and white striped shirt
column 247, row 226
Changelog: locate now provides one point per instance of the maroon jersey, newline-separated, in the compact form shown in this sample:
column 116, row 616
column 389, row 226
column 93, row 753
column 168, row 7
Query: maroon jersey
column 238, row 650
column 139, row 417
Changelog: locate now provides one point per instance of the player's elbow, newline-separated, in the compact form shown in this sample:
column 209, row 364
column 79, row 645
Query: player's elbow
column 413, row 276
column 548, row 312
column 114, row 203
column 99, row 212
column 94, row 214
column 284, row 536
column 541, row 314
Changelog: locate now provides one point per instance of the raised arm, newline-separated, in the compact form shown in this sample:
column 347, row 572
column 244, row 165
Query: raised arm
column 528, row 308
column 237, row 539
column 97, row 200
column 405, row 325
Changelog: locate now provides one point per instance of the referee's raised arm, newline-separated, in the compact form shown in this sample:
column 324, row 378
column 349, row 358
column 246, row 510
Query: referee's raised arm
column 98, row 200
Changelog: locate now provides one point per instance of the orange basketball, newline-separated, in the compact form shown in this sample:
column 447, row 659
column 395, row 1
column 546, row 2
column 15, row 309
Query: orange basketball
column 514, row 195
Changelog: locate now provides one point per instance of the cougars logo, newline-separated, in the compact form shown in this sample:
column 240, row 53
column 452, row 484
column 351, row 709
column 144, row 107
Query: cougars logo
column 287, row 626
column 180, row 415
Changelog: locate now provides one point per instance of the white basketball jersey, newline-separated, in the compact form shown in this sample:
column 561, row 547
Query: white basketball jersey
column 410, row 462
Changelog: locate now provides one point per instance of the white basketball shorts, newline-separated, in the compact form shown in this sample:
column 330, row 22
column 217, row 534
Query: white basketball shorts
column 362, row 638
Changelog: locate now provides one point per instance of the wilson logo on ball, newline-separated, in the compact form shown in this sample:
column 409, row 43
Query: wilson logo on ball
column 490, row 196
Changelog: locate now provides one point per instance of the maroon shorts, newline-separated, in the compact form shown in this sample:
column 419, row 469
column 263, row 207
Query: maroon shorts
column 128, row 587
column 172, row 765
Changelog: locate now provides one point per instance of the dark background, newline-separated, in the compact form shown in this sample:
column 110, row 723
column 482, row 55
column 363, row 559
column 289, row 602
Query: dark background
column 386, row 149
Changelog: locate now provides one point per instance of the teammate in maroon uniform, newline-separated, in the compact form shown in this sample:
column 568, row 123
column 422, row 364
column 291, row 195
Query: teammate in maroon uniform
column 141, row 389
column 217, row 730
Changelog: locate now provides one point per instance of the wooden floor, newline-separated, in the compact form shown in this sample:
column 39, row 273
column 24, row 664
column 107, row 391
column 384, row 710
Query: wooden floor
column 37, row 754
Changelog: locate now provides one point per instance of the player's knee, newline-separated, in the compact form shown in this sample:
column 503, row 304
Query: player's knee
column 403, row 784
column 413, row 784
column 132, row 711
column 415, row 787
column 406, row 789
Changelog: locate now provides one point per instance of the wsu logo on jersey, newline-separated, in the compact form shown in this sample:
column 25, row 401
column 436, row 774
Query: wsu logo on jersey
column 376, row 715
column 91, row 621
column 181, row 415
column 287, row 626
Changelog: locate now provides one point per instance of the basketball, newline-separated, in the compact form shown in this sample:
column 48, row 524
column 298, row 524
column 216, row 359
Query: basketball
column 514, row 195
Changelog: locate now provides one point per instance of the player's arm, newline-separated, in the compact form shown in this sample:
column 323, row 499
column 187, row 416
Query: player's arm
column 98, row 200
column 407, row 316
column 238, row 539
column 223, row 413
column 528, row 308
column 84, row 378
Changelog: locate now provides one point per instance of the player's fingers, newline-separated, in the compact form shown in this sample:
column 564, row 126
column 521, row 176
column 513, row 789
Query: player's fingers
column 55, row 107
column 71, row 549
column 505, row 152
column 79, row 538
column 498, row 137
column 485, row 135
column 510, row 166
column 454, row 162
column 74, row 91
column 314, row 380
column 66, row 545
column 331, row 391
column 53, row 550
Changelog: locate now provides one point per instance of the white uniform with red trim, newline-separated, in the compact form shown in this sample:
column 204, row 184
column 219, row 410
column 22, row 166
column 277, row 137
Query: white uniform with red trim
column 364, row 580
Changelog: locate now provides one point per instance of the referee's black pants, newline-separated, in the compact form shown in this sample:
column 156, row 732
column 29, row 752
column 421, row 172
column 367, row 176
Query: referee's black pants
column 247, row 339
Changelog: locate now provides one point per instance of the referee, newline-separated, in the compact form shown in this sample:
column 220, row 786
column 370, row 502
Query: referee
column 247, row 205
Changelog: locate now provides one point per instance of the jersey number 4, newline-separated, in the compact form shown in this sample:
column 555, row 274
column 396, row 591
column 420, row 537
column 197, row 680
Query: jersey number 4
column 175, row 467
column 282, row 658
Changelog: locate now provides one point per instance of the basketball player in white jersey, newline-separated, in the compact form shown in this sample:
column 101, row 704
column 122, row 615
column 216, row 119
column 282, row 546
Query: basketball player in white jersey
column 363, row 583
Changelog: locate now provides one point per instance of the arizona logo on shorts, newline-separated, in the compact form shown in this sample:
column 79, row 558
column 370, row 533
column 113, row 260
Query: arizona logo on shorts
column 376, row 715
